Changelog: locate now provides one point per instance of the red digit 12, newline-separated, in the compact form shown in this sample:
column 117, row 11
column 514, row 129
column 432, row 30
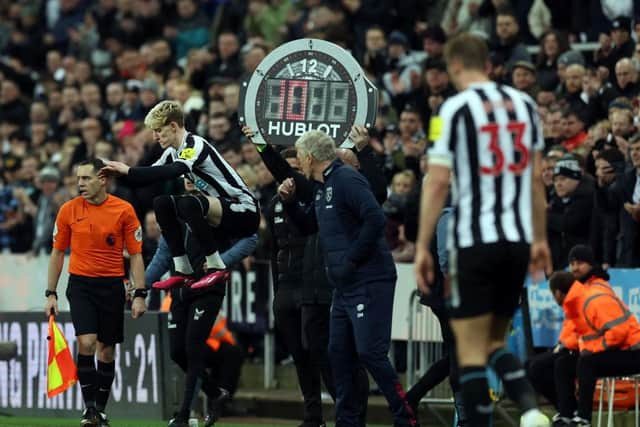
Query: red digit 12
column 517, row 130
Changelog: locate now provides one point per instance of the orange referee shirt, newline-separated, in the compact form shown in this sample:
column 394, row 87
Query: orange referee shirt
column 97, row 235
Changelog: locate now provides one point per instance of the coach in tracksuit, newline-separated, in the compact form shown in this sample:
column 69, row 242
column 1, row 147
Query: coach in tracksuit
column 359, row 265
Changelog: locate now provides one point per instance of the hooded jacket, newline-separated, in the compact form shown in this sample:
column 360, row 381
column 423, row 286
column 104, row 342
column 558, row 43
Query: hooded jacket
column 601, row 320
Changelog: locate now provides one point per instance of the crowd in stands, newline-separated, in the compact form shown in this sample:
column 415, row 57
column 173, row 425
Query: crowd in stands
column 77, row 78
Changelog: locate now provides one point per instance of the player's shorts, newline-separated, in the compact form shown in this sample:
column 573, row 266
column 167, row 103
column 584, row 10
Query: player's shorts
column 97, row 307
column 487, row 278
column 238, row 220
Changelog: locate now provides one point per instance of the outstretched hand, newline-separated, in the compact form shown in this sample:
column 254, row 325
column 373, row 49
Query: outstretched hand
column 112, row 167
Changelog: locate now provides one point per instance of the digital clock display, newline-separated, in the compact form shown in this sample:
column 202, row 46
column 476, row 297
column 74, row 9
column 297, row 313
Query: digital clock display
column 303, row 85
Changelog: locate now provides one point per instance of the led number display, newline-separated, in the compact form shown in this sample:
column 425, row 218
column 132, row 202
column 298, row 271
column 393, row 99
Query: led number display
column 307, row 84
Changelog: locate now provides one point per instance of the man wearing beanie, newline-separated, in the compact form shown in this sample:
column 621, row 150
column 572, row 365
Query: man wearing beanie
column 569, row 210
column 553, row 373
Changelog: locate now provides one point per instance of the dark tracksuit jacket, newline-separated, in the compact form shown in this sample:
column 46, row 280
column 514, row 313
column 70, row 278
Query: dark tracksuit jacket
column 359, row 265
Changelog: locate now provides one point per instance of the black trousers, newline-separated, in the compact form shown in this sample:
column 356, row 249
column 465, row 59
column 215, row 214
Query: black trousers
column 304, row 329
column 553, row 375
column 225, row 366
column 193, row 314
column 611, row 363
column 305, row 333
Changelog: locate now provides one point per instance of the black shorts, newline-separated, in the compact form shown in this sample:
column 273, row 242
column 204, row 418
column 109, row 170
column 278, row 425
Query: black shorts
column 97, row 307
column 238, row 220
column 487, row 278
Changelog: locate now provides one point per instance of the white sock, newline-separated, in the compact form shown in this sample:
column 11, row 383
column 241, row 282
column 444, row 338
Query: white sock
column 214, row 261
column 182, row 264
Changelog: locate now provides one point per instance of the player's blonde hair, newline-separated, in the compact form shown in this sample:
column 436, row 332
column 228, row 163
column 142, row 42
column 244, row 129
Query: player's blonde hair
column 164, row 113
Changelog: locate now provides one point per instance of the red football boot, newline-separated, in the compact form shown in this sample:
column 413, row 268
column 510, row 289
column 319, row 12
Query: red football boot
column 211, row 279
column 172, row 282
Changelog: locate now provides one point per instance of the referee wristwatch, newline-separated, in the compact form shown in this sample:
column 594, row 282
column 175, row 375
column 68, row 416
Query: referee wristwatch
column 140, row 293
column 48, row 293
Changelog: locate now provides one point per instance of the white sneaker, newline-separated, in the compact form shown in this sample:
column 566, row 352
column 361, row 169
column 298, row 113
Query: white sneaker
column 534, row 418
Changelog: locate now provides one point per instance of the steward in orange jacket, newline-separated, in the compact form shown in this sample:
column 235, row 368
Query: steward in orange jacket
column 585, row 270
column 601, row 320
column 609, row 341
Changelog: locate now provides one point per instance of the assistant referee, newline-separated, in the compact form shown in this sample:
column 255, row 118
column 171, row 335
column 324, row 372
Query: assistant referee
column 97, row 226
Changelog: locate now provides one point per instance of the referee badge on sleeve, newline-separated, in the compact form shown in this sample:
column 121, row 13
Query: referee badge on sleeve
column 138, row 234
column 435, row 128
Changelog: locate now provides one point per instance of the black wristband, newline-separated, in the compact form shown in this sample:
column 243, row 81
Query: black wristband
column 140, row 293
column 48, row 293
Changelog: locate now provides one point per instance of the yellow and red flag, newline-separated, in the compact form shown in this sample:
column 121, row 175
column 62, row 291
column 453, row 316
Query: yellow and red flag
column 61, row 371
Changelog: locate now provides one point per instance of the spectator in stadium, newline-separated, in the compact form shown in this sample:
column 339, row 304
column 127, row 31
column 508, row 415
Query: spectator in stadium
column 42, row 207
column 10, row 214
column 404, row 151
column 609, row 336
column 463, row 16
column 402, row 184
column 599, row 94
column 232, row 154
column 571, row 92
column 573, row 124
column 12, row 108
column 523, row 77
column 433, row 40
column 623, row 44
column 95, row 290
column 267, row 19
column 219, row 130
column 570, row 209
column 616, row 194
column 566, row 59
column 508, row 45
column 626, row 79
column 403, row 68
column 603, row 237
column 552, row 127
column 622, row 123
column 227, row 64
column 375, row 54
column 435, row 88
column 548, row 168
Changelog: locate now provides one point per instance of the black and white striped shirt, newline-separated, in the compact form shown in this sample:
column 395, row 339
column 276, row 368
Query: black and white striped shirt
column 487, row 135
column 210, row 173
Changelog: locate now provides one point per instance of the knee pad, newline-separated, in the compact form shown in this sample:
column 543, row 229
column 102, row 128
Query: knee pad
column 191, row 206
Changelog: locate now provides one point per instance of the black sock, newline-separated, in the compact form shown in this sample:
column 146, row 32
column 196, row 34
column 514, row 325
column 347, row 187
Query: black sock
column 475, row 393
column 514, row 378
column 87, row 376
column 106, row 372
column 193, row 210
column 191, row 388
column 165, row 210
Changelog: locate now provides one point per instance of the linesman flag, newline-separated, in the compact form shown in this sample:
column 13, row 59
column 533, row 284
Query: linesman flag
column 61, row 372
